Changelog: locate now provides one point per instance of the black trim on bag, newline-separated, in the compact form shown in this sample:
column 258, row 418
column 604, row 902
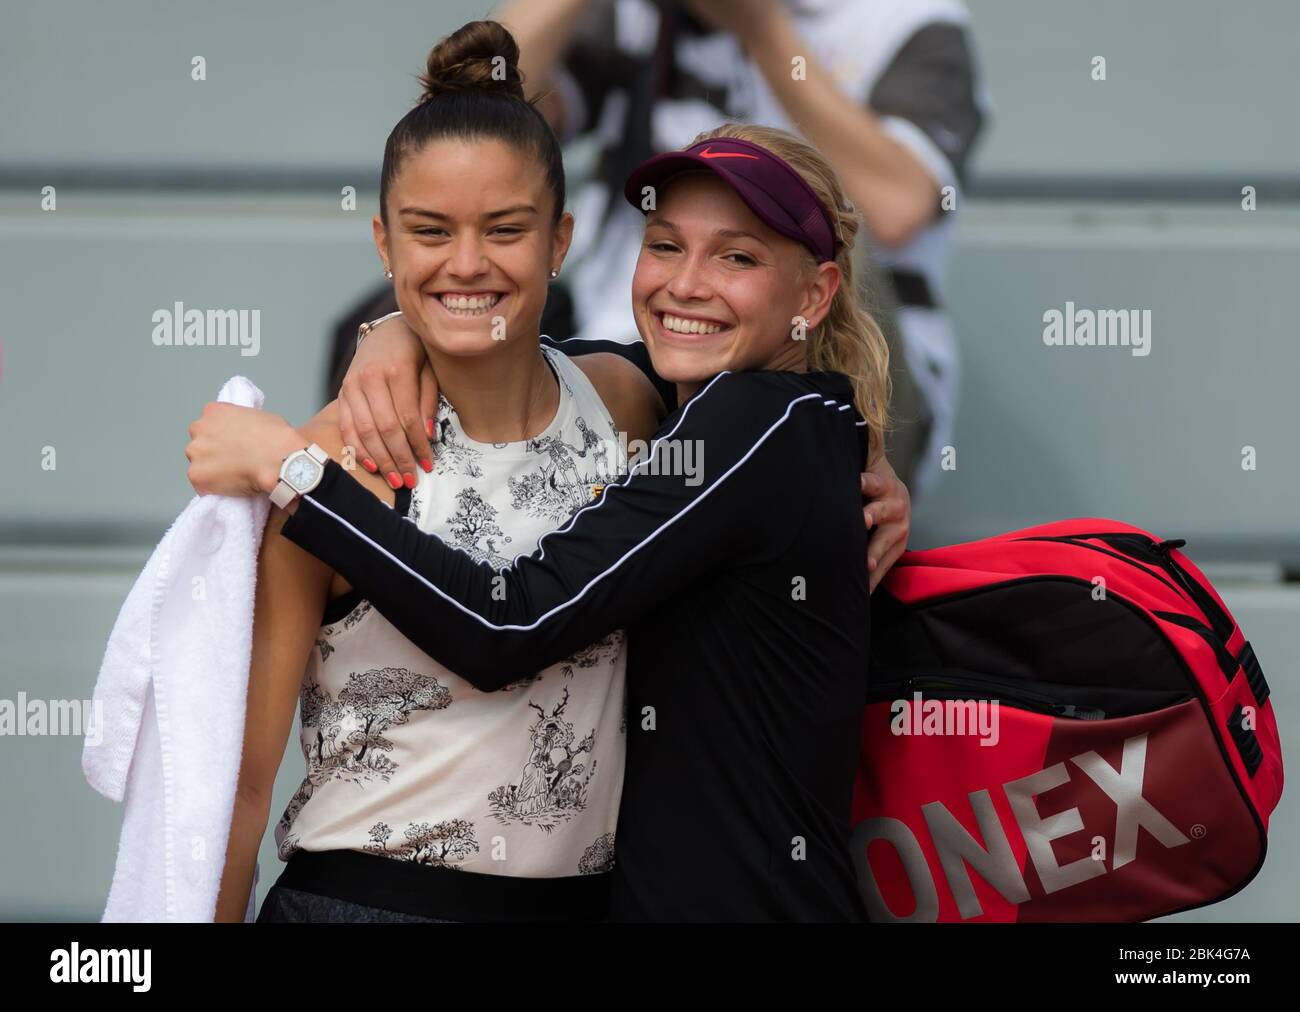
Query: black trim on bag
column 1254, row 673
column 1227, row 664
column 1071, row 539
column 1246, row 740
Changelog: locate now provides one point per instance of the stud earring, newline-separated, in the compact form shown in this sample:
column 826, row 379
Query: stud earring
column 388, row 274
column 555, row 272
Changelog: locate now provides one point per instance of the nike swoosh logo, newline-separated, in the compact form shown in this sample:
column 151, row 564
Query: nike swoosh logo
column 710, row 153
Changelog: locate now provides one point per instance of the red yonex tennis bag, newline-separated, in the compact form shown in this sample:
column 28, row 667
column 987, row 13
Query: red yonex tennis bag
column 1064, row 723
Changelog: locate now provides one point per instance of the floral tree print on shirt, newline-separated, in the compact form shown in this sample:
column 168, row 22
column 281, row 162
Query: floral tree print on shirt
column 323, row 714
column 537, row 494
column 378, row 699
column 344, row 737
column 443, row 844
column 473, row 528
column 599, row 857
column 552, row 785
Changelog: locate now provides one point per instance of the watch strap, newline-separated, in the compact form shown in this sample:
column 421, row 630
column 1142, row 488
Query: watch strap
column 282, row 494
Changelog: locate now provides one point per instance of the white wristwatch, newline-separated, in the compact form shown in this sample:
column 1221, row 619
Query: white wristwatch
column 301, row 472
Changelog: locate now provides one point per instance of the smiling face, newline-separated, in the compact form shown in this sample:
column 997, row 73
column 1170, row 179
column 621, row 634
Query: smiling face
column 716, row 289
column 471, row 241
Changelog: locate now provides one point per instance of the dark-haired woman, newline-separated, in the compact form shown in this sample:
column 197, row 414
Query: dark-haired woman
column 424, row 798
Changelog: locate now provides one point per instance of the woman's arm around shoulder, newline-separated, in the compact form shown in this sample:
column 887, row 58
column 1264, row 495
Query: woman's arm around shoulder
column 678, row 516
column 326, row 431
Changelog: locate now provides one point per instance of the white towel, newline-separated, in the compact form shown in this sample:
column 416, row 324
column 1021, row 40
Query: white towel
column 173, row 688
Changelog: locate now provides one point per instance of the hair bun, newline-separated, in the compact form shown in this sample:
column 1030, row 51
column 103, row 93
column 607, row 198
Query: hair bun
column 480, row 56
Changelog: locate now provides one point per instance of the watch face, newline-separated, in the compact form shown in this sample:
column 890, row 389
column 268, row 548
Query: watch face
column 301, row 471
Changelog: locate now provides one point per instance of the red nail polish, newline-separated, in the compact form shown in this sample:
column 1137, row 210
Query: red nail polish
column 394, row 479
column 428, row 427
column 409, row 479
column 427, row 465
column 369, row 465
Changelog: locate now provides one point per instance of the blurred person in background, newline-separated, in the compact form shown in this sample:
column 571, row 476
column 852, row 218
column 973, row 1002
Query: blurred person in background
column 887, row 89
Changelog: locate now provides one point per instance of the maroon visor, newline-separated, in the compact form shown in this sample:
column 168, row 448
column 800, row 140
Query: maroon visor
column 767, row 184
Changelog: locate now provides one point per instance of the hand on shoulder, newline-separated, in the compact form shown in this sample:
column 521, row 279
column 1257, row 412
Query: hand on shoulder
column 324, row 430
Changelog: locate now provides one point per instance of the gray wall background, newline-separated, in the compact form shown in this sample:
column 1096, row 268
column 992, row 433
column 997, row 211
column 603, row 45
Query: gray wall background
column 226, row 193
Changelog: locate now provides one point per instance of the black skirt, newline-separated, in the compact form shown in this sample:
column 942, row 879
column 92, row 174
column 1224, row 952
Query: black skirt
column 294, row 906
column 352, row 886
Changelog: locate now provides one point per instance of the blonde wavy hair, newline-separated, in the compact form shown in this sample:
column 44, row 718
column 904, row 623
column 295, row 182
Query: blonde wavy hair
column 848, row 340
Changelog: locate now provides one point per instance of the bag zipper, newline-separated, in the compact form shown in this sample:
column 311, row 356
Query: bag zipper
column 1018, row 697
column 1218, row 619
